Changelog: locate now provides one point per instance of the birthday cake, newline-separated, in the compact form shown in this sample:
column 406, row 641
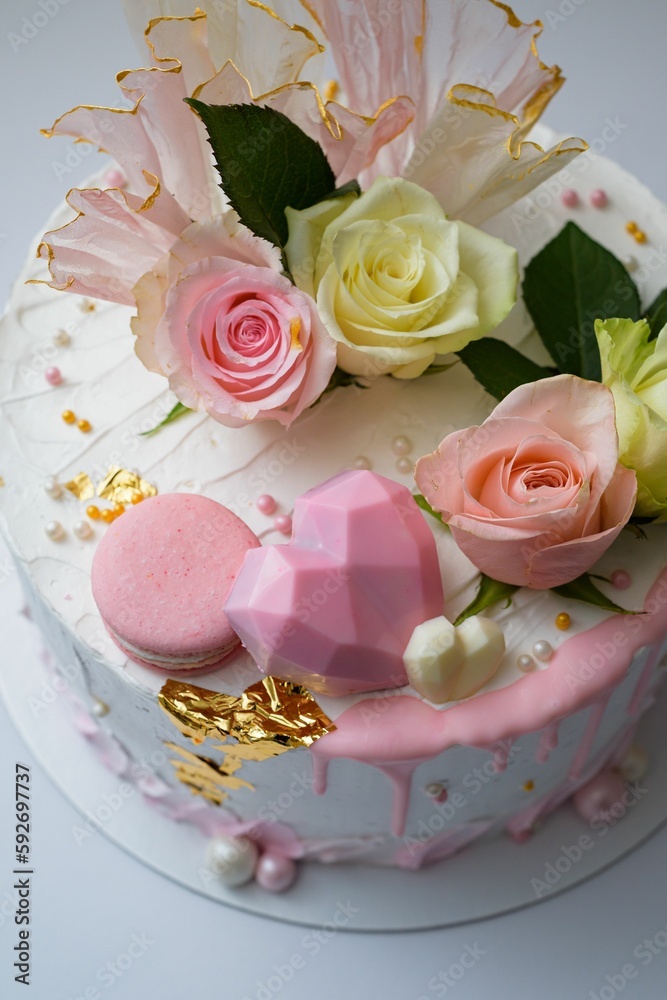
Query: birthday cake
column 334, row 421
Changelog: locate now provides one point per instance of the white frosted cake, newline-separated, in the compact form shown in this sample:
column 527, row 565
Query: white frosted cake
column 483, row 726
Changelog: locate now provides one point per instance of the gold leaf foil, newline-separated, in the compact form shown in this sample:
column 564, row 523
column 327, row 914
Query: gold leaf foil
column 271, row 716
column 123, row 486
column 81, row 486
column 203, row 776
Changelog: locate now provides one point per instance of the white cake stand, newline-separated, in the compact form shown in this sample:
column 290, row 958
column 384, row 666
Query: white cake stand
column 488, row 879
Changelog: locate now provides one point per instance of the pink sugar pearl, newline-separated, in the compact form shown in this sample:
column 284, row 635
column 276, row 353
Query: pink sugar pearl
column 570, row 198
column 621, row 579
column 283, row 524
column 598, row 198
column 275, row 873
column 53, row 376
column 266, row 504
column 599, row 796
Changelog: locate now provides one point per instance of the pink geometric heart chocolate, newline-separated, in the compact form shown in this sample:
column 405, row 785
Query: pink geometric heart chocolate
column 335, row 608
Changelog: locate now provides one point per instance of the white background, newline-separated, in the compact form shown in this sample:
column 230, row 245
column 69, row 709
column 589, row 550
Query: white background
column 90, row 899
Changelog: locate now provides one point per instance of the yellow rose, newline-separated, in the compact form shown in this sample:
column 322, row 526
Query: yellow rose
column 396, row 283
column 635, row 369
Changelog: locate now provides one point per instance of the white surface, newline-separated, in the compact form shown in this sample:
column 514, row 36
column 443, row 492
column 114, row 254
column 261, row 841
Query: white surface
column 613, row 55
column 506, row 876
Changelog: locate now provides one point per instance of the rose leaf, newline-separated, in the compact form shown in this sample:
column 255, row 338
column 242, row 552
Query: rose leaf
column 176, row 411
column 489, row 592
column 569, row 284
column 266, row 164
column 423, row 503
column 583, row 589
column 500, row 368
column 656, row 314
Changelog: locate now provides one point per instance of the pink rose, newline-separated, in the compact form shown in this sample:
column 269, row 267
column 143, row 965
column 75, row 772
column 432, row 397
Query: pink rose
column 534, row 495
column 232, row 334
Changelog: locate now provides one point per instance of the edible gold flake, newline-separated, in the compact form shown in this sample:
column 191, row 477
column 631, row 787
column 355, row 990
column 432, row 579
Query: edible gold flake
column 122, row 486
column 271, row 715
column 81, row 486
column 2, row 482
column 203, row 776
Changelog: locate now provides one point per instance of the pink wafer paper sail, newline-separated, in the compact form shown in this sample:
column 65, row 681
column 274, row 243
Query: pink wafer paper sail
column 334, row 609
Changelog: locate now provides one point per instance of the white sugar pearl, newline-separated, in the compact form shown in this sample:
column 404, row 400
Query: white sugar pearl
column 99, row 708
column 434, row 789
column 54, row 530
column 53, row 488
column 525, row 662
column 82, row 529
column 634, row 765
column 630, row 263
column 542, row 650
column 401, row 445
column 361, row 462
column 404, row 465
column 232, row 859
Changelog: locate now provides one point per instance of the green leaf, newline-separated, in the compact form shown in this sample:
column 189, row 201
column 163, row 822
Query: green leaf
column 488, row 592
column 340, row 380
column 583, row 589
column 656, row 314
column 266, row 164
column 423, row 503
column 351, row 187
column 437, row 369
column 176, row 411
column 569, row 284
column 499, row 368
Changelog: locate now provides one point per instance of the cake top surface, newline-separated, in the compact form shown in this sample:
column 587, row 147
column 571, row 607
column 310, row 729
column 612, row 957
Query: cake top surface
column 311, row 331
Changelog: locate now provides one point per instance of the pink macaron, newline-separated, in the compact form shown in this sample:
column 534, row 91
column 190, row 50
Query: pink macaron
column 161, row 576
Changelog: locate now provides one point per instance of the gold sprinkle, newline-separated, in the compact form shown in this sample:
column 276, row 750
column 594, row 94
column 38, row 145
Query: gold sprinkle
column 330, row 90
column 419, row 44
column 640, row 236
column 93, row 512
column 81, row 486
column 84, row 426
column 68, row 416
column 108, row 515
column 87, row 306
column 2, row 482
column 121, row 485
column 137, row 498
column 529, row 786
column 563, row 621
column 631, row 226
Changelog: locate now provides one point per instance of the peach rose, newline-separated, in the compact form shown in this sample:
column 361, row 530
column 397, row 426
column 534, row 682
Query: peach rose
column 535, row 494
column 232, row 334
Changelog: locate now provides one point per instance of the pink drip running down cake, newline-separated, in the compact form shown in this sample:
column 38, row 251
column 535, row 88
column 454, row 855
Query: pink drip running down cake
column 341, row 498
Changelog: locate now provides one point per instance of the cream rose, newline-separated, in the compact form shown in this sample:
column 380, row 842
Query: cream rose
column 635, row 369
column 396, row 283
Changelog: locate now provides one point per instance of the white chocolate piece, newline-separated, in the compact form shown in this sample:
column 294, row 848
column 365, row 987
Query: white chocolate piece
column 445, row 663
column 484, row 647
column 433, row 659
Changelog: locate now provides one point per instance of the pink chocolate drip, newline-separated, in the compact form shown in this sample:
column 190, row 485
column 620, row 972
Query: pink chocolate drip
column 583, row 670
column 584, row 748
column 642, row 684
column 548, row 742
